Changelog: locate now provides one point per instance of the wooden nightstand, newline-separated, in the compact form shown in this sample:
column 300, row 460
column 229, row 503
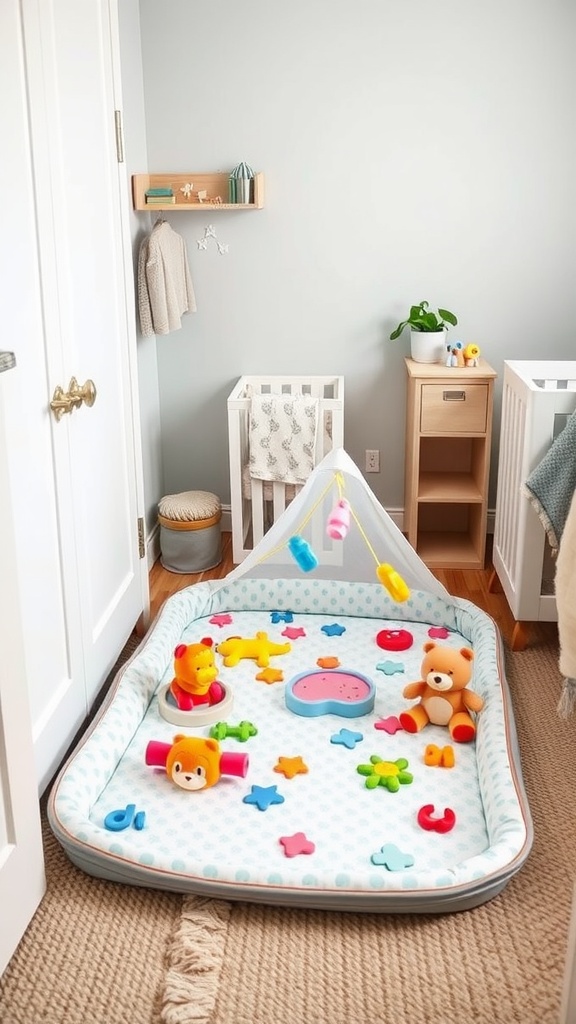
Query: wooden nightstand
column 448, row 433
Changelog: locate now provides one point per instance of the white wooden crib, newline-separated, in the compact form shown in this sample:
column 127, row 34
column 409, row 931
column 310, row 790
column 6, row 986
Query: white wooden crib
column 538, row 397
column 256, row 504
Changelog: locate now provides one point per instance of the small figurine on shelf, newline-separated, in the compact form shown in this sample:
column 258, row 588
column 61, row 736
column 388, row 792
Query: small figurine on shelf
column 455, row 354
column 471, row 355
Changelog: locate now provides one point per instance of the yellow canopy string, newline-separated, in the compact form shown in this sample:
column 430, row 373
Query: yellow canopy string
column 339, row 481
column 365, row 538
column 306, row 520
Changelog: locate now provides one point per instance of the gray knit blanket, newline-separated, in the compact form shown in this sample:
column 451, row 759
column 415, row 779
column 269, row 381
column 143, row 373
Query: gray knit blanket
column 551, row 487
column 552, row 483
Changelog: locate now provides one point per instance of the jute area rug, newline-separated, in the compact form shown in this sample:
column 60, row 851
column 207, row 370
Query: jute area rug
column 98, row 953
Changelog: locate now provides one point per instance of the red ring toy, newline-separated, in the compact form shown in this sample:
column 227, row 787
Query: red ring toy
column 394, row 639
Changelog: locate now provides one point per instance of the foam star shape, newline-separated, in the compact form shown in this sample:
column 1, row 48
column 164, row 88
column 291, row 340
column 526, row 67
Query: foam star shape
column 392, row 858
column 297, row 843
column 293, row 632
column 347, row 738
column 202, row 243
column 333, row 630
column 438, row 633
column 328, row 662
column 222, row 619
column 276, row 616
column 389, row 725
column 270, row 675
column 390, row 667
column 290, row 766
column 263, row 796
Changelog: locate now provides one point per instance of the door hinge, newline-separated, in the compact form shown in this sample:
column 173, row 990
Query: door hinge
column 119, row 136
column 141, row 539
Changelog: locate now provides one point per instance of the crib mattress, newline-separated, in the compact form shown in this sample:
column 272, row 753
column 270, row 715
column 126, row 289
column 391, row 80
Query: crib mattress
column 303, row 828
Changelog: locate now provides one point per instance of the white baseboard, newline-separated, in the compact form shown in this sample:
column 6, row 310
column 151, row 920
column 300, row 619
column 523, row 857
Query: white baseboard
column 396, row 515
column 226, row 521
column 153, row 546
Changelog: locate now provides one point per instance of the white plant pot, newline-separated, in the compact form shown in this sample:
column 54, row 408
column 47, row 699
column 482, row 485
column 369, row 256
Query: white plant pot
column 428, row 346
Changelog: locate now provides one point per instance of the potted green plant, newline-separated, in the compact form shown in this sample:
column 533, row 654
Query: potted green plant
column 427, row 332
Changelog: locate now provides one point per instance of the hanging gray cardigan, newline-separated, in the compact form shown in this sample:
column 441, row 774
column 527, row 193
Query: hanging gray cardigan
column 165, row 289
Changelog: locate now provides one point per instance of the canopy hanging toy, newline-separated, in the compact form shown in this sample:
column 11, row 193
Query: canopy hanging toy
column 337, row 527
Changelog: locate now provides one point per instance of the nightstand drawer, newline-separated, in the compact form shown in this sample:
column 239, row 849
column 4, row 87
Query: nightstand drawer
column 456, row 408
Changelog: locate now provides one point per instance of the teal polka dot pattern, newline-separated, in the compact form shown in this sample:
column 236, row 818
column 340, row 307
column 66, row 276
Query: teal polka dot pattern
column 215, row 835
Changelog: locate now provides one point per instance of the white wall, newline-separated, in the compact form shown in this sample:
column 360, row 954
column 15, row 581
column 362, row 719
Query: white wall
column 135, row 156
column 412, row 151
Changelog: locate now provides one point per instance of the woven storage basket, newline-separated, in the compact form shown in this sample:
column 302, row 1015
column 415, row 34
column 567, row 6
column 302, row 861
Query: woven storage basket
column 190, row 537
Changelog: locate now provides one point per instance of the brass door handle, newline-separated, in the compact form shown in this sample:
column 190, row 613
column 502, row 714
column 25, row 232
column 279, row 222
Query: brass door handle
column 65, row 401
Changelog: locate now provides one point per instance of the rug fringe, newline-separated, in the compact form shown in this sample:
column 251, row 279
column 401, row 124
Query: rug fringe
column 195, row 962
column 567, row 701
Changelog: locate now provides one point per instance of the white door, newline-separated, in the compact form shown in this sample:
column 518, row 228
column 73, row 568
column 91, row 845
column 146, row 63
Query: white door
column 21, row 863
column 77, row 486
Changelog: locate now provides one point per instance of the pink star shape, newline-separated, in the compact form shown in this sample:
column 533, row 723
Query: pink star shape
column 389, row 725
column 298, row 843
column 293, row 632
column 222, row 619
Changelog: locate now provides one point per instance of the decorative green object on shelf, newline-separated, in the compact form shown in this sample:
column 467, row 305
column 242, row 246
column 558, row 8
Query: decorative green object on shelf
column 421, row 318
column 241, row 184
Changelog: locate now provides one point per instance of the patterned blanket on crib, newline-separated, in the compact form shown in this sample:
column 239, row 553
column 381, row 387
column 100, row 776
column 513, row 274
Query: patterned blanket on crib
column 282, row 437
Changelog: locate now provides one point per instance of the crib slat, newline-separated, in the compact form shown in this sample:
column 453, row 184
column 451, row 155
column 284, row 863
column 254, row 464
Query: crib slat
column 250, row 514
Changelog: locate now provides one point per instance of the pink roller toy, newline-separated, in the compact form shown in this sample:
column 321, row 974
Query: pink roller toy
column 338, row 522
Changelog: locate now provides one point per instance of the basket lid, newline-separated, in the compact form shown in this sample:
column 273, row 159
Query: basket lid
column 189, row 506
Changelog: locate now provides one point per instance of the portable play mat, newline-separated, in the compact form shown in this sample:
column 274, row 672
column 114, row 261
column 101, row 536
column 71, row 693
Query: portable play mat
column 318, row 796
column 313, row 822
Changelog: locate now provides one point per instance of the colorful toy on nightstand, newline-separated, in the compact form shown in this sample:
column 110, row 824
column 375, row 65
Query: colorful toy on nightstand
column 338, row 522
column 443, row 691
column 194, row 697
column 194, row 763
column 258, row 648
column 471, row 355
column 330, row 692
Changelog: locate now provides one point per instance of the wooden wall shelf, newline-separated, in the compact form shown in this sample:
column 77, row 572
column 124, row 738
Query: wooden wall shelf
column 215, row 186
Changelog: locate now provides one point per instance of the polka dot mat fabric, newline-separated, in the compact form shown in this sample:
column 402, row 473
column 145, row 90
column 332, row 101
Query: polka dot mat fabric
column 217, row 843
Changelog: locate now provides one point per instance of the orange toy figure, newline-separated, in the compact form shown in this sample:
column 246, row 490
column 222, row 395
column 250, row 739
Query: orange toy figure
column 444, row 696
column 194, row 763
column 195, row 674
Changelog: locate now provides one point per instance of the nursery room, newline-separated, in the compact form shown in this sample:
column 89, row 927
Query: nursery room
column 292, row 382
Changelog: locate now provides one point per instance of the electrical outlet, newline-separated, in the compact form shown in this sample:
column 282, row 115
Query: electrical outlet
column 372, row 460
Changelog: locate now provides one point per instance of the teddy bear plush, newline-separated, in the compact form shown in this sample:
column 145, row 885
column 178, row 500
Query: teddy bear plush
column 443, row 691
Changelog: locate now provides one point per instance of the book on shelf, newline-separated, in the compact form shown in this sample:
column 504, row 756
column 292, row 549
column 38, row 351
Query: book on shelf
column 160, row 200
column 159, row 191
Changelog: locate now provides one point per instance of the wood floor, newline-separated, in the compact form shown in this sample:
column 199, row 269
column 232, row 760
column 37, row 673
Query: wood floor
column 471, row 584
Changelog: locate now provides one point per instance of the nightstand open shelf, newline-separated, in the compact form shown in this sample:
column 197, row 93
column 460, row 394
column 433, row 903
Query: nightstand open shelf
column 448, row 431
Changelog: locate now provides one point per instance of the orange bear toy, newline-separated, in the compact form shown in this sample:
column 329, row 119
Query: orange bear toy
column 195, row 674
column 193, row 763
column 444, row 696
